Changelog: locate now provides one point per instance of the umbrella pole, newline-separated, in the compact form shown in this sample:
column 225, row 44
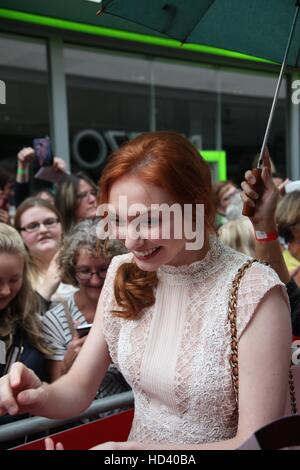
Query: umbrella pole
column 275, row 99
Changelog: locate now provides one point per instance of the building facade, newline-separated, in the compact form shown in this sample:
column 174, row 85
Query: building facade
column 91, row 86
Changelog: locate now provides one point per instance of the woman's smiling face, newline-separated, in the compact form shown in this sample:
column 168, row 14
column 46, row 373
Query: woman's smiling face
column 90, row 273
column 46, row 238
column 151, row 249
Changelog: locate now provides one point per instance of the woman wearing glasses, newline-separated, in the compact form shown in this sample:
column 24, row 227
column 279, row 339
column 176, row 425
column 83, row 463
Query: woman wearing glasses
column 39, row 224
column 83, row 261
column 76, row 200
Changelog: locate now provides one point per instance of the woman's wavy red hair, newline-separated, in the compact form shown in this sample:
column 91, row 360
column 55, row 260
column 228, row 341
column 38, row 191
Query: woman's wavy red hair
column 170, row 161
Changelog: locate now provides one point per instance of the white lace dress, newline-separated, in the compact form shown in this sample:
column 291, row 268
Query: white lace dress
column 175, row 357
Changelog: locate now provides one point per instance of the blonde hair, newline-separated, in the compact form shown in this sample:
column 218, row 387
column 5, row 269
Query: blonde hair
column 24, row 308
column 288, row 215
column 238, row 234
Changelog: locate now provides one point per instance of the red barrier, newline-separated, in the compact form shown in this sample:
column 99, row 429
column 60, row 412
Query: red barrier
column 83, row 437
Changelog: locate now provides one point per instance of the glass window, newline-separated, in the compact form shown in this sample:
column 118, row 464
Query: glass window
column 246, row 102
column 108, row 102
column 23, row 68
column 186, row 101
column 113, row 96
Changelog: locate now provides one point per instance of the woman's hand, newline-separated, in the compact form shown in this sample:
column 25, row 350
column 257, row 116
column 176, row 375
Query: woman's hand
column 59, row 164
column 4, row 216
column 21, row 391
column 25, row 156
column 265, row 206
column 51, row 280
column 50, row 444
column 73, row 350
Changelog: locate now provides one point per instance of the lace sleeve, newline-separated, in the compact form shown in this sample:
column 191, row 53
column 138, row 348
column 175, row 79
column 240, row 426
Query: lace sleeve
column 257, row 281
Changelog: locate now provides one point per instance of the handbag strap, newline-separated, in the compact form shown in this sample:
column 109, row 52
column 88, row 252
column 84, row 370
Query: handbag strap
column 293, row 400
column 232, row 313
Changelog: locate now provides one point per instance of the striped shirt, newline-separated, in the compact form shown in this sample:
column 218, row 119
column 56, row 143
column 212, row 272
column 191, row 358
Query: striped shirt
column 56, row 329
column 57, row 334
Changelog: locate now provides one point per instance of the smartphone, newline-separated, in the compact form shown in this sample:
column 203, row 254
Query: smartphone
column 83, row 330
column 43, row 151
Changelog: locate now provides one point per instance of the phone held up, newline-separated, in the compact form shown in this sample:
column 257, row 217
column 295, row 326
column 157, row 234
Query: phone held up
column 44, row 161
column 43, row 151
column 83, row 330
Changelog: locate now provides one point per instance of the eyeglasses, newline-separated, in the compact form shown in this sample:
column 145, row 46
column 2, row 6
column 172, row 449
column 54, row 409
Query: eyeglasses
column 85, row 194
column 87, row 275
column 34, row 226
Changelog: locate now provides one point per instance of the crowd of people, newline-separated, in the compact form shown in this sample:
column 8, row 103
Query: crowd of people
column 162, row 322
column 52, row 272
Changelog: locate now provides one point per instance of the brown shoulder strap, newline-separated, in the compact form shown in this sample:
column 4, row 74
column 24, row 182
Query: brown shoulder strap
column 233, row 360
column 232, row 312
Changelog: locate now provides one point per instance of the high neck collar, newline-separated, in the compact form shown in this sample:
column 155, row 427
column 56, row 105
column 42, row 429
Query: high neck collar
column 188, row 273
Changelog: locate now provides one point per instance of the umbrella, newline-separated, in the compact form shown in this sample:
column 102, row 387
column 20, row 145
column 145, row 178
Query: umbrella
column 254, row 27
column 262, row 28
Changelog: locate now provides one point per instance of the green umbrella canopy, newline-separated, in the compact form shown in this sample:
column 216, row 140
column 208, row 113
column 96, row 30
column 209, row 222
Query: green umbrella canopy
column 255, row 27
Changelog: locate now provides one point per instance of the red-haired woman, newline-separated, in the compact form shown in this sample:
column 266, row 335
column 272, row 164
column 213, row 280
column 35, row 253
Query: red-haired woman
column 163, row 314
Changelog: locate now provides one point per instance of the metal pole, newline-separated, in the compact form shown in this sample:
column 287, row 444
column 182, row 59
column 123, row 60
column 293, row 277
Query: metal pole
column 58, row 100
column 283, row 65
column 36, row 424
column 152, row 107
column 294, row 129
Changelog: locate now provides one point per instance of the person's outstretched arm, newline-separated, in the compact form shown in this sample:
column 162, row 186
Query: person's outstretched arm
column 21, row 391
column 264, row 219
column 263, row 375
column 25, row 157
